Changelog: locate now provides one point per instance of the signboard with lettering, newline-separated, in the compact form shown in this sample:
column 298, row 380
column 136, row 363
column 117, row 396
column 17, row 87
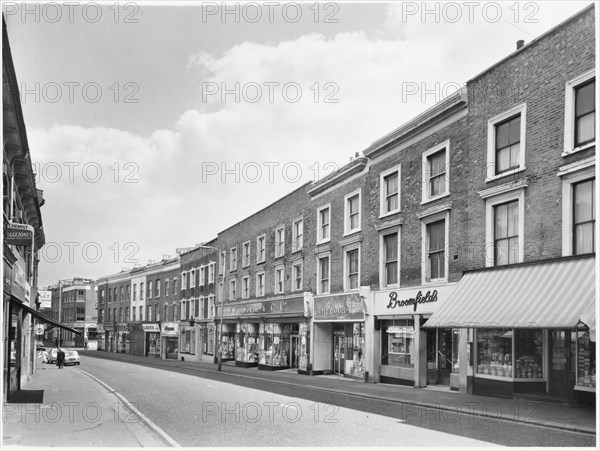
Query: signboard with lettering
column 170, row 329
column 18, row 234
column 340, row 307
column 266, row 308
column 45, row 299
column 412, row 301
column 150, row 328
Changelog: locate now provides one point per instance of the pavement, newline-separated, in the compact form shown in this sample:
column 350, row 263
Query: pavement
column 70, row 407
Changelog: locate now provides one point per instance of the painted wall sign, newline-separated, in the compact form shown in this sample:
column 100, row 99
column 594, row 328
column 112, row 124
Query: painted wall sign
column 341, row 307
column 412, row 301
column 265, row 308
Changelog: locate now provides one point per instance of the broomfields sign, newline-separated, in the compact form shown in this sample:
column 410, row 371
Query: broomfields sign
column 18, row 234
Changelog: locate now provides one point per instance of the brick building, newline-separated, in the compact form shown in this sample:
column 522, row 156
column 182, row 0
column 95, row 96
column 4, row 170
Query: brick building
column 265, row 268
column 526, row 310
column 198, row 272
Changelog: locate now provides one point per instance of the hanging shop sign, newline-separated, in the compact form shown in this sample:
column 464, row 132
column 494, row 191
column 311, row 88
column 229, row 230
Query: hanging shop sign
column 340, row 307
column 18, row 234
column 412, row 301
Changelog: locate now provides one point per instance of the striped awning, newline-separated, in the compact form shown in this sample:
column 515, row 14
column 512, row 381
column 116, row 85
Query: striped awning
column 553, row 294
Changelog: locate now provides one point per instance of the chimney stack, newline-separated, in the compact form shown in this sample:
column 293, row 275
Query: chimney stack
column 520, row 43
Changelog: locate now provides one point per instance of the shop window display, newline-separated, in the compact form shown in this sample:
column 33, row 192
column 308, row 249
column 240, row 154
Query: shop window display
column 247, row 346
column 528, row 354
column 397, row 343
column 275, row 345
column 494, row 352
column 586, row 361
column 304, row 334
column 227, row 346
column 358, row 351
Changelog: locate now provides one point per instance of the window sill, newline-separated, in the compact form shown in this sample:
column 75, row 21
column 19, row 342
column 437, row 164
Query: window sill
column 389, row 213
column 491, row 178
column 433, row 199
column 566, row 153
column 325, row 241
column 435, row 281
column 352, row 232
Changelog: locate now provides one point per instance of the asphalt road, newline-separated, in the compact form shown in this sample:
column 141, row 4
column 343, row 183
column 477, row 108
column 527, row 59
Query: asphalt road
column 205, row 409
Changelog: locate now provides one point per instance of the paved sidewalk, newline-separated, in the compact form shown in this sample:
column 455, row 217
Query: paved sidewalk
column 420, row 402
column 68, row 408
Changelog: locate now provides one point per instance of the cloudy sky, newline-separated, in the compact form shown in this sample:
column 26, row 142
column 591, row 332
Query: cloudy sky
column 154, row 127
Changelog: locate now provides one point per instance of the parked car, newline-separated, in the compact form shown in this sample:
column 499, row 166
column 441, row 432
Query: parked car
column 72, row 358
column 52, row 355
column 13, row 358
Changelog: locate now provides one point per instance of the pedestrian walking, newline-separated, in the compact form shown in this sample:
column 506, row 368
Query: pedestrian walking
column 44, row 359
column 85, row 344
column 60, row 358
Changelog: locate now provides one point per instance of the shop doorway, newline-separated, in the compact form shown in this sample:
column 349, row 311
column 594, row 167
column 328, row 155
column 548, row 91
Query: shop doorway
column 339, row 352
column 445, row 356
column 561, row 349
column 294, row 351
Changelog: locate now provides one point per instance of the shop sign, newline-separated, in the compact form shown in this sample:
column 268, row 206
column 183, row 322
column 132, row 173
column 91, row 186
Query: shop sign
column 171, row 329
column 45, row 299
column 123, row 327
column 266, row 308
column 150, row 327
column 343, row 307
column 39, row 329
column 411, row 300
column 18, row 234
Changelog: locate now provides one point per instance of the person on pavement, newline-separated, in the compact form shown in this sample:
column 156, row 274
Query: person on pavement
column 60, row 358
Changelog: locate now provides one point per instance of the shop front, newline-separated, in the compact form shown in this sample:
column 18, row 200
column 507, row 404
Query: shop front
column 122, row 338
column 151, row 339
column 529, row 327
column 110, row 337
column 101, row 337
column 339, row 340
column 270, row 335
column 169, row 341
column 408, row 354
column 137, row 339
column 228, row 336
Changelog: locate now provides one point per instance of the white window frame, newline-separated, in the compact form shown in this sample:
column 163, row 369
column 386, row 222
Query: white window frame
column 193, row 278
column 295, row 265
column 258, row 286
column 233, row 259
column 319, row 257
column 383, row 191
column 568, row 180
column 276, row 289
column 490, row 202
column 246, row 286
column 183, row 281
column 157, row 288
column 211, row 272
column 442, row 215
column 297, row 238
column 425, row 173
column 346, row 262
column 347, row 197
column 201, row 279
column 491, row 144
column 569, row 134
column 167, row 287
column 382, row 272
column 261, row 249
column 222, row 261
column 232, row 289
column 142, row 288
column 246, row 254
column 280, row 245
column 150, row 286
column 320, row 238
